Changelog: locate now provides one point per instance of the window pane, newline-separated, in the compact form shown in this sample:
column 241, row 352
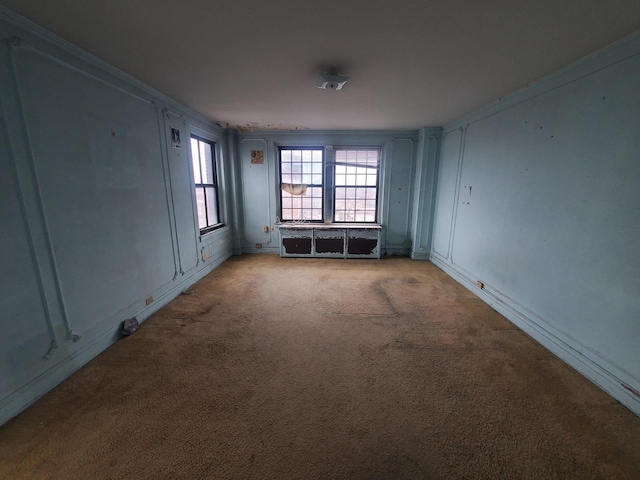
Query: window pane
column 212, row 206
column 202, row 209
column 206, row 159
column 296, row 172
column 373, row 158
column 195, row 160
column 285, row 171
column 315, row 192
column 341, row 178
column 355, row 204
column 369, row 157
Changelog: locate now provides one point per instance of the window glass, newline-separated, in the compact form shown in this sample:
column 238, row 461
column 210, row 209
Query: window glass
column 206, row 185
column 356, row 185
column 212, row 205
column 206, row 163
column 202, row 209
column 301, row 184
column 195, row 160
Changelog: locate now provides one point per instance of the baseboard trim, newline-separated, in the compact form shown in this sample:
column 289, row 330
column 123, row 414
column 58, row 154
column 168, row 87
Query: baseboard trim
column 251, row 248
column 23, row 397
column 393, row 250
column 419, row 256
column 600, row 371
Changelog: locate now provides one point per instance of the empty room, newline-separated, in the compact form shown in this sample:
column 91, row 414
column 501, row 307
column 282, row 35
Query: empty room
column 336, row 240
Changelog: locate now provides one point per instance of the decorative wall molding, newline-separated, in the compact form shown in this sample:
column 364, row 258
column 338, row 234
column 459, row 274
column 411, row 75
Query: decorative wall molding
column 615, row 53
column 608, row 376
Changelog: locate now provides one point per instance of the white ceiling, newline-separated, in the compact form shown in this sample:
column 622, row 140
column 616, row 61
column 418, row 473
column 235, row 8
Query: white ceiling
column 413, row 63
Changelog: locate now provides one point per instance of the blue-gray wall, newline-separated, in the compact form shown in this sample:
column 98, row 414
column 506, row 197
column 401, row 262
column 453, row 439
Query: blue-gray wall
column 537, row 197
column 403, row 154
column 96, row 206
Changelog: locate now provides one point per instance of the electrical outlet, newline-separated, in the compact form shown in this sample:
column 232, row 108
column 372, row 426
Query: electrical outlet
column 480, row 284
column 265, row 229
column 258, row 245
column 149, row 300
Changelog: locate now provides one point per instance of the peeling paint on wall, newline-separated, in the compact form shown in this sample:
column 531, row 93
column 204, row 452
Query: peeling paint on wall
column 274, row 127
column 361, row 246
column 297, row 245
column 330, row 245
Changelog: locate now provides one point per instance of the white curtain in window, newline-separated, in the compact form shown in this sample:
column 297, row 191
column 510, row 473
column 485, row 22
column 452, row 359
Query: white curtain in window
column 295, row 188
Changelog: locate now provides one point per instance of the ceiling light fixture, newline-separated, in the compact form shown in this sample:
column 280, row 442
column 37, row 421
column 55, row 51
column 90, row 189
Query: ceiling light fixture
column 331, row 81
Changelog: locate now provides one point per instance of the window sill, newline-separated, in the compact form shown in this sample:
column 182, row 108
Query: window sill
column 211, row 229
column 329, row 226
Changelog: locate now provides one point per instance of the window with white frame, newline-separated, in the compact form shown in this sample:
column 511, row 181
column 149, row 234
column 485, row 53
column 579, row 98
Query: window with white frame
column 351, row 189
column 356, row 185
column 301, row 184
column 203, row 159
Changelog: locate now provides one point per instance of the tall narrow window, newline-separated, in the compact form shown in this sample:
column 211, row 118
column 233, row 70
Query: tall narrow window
column 356, row 185
column 206, row 185
column 301, row 184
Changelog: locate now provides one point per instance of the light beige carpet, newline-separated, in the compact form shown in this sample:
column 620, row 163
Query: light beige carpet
column 324, row 369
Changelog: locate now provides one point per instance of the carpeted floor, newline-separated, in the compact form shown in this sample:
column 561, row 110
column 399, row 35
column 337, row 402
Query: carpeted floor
column 324, row 369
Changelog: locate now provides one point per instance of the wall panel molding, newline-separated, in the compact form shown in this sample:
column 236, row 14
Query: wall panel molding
column 551, row 228
column 88, row 151
column 424, row 193
column 607, row 375
column 619, row 51
column 30, row 191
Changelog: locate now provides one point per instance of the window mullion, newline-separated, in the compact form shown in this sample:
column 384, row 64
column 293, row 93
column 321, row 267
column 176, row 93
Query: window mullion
column 329, row 184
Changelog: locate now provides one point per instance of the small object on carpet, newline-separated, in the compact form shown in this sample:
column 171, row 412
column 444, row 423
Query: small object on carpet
column 129, row 326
